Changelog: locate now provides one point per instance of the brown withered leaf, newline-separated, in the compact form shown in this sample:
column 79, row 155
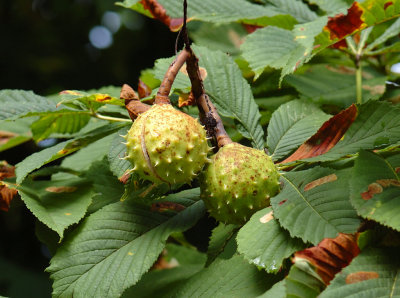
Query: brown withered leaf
column 6, row 194
column 186, row 99
column 143, row 89
column 331, row 255
column 342, row 25
column 327, row 136
column 159, row 13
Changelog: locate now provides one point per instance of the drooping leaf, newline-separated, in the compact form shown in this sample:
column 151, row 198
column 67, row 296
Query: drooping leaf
column 331, row 255
column 377, row 125
column 292, row 124
column 316, row 84
column 227, row 278
column 18, row 103
column 47, row 155
column 326, row 137
column 227, row 89
column 58, row 204
column 219, row 239
column 206, row 10
column 63, row 123
column 309, row 209
column 264, row 243
column 373, row 273
column 111, row 250
column 375, row 189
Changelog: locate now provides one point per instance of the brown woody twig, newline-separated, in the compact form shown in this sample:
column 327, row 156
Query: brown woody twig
column 162, row 96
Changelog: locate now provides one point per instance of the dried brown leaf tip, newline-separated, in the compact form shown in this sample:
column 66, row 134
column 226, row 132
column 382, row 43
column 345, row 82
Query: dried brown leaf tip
column 6, row 194
column 158, row 12
column 331, row 255
column 143, row 89
column 186, row 99
column 342, row 25
column 327, row 136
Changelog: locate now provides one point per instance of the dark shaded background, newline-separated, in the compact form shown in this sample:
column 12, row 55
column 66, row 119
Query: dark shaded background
column 45, row 47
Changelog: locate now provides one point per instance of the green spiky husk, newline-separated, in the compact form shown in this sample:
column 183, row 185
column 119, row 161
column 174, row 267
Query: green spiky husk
column 238, row 182
column 165, row 145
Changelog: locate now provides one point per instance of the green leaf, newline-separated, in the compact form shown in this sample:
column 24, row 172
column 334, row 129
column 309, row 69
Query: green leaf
column 303, row 281
column 291, row 125
column 14, row 133
column 227, row 89
column 111, row 250
column 107, row 187
column 85, row 157
column 219, row 239
column 295, row 8
column 389, row 49
column 161, row 283
column 230, row 92
column 390, row 32
column 279, row 48
column 278, row 290
column 62, row 123
column 57, row 204
column 373, row 273
column 264, row 243
column 316, row 84
column 226, row 37
column 18, row 103
column 330, row 6
column 92, row 99
column 117, row 152
column 227, row 278
column 47, row 155
column 375, row 189
column 377, row 125
column 211, row 11
column 309, row 209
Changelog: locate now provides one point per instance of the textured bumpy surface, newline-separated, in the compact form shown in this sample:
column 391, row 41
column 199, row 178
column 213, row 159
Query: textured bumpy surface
column 238, row 182
column 166, row 145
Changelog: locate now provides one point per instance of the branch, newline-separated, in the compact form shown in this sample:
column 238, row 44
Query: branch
column 208, row 113
column 162, row 96
column 132, row 102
